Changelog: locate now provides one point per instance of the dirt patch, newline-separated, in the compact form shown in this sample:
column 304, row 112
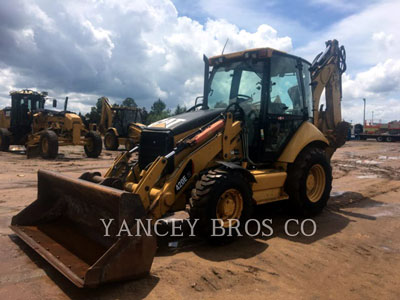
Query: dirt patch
column 355, row 253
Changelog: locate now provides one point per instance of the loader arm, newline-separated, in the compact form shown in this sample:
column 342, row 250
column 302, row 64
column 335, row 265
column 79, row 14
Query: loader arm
column 192, row 155
column 326, row 73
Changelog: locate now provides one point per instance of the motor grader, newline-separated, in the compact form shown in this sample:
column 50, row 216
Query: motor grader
column 120, row 125
column 41, row 130
column 258, row 137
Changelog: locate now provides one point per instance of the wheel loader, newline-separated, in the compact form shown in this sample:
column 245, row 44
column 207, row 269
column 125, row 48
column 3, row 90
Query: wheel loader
column 120, row 125
column 259, row 137
column 41, row 130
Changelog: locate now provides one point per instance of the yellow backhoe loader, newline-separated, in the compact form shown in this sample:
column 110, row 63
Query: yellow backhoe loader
column 120, row 125
column 41, row 130
column 259, row 137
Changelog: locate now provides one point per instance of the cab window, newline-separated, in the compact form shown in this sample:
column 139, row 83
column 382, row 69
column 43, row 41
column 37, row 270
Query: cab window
column 285, row 91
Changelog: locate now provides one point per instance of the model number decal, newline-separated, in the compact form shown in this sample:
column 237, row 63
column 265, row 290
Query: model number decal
column 185, row 176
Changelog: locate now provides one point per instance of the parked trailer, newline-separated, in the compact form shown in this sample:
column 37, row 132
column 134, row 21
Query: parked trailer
column 379, row 137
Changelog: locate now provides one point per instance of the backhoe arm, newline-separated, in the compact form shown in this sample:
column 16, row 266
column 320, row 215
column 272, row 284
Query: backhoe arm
column 106, row 115
column 326, row 73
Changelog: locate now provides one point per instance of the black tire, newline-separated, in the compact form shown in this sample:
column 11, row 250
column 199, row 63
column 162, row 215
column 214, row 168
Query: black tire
column 296, row 182
column 379, row 139
column 111, row 141
column 48, row 144
column 4, row 139
column 206, row 196
column 93, row 146
column 389, row 139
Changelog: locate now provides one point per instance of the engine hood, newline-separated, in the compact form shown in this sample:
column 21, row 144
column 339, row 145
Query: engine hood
column 186, row 121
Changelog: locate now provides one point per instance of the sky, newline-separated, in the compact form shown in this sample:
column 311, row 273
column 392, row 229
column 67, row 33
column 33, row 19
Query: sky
column 150, row 49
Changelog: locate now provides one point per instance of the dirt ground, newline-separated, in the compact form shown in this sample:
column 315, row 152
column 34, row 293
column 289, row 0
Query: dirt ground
column 355, row 253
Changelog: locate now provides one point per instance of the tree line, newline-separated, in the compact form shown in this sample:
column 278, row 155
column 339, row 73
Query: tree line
column 158, row 111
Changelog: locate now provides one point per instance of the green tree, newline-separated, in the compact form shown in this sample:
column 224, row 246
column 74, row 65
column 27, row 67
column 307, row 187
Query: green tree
column 180, row 109
column 158, row 107
column 129, row 102
column 158, row 111
column 145, row 115
column 95, row 113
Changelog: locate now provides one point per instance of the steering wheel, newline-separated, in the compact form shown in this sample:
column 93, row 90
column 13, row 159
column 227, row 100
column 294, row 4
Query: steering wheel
column 242, row 98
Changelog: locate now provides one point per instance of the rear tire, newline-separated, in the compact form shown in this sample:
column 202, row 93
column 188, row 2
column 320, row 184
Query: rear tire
column 389, row 139
column 4, row 139
column 111, row 141
column 309, row 182
column 93, row 145
column 48, row 144
column 379, row 139
column 220, row 194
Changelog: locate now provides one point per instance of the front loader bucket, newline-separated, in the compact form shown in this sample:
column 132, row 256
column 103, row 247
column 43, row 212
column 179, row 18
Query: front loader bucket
column 64, row 226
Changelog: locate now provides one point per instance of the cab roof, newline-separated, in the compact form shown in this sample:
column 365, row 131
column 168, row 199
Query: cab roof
column 257, row 53
column 28, row 92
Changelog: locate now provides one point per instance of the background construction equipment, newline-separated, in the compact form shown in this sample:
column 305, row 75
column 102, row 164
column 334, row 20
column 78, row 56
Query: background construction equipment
column 41, row 130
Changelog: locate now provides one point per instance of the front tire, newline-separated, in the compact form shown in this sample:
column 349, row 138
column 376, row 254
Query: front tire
column 309, row 182
column 4, row 139
column 111, row 141
column 220, row 194
column 48, row 144
column 93, row 145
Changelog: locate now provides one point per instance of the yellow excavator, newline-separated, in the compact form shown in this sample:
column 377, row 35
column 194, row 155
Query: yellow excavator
column 258, row 137
column 120, row 125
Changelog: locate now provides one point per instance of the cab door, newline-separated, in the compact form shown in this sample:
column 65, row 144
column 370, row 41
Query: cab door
column 285, row 107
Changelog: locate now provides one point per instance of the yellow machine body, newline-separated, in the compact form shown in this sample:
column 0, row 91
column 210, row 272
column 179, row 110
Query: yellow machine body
column 179, row 160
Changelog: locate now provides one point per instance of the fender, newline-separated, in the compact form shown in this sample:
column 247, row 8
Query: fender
column 113, row 130
column 305, row 135
column 246, row 173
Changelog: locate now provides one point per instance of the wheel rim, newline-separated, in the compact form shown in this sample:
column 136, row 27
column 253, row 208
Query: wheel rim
column 45, row 145
column 315, row 183
column 229, row 206
column 108, row 141
column 89, row 145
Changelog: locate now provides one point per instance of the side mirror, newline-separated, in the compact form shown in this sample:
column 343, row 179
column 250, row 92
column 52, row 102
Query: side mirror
column 54, row 102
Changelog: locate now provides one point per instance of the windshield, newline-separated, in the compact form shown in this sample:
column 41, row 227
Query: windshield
column 235, row 82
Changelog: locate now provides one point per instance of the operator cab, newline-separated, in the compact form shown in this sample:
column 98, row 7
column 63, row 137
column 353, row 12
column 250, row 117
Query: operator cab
column 23, row 104
column 123, row 117
column 273, row 89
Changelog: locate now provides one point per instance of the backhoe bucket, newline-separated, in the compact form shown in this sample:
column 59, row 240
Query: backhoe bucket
column 64, row 226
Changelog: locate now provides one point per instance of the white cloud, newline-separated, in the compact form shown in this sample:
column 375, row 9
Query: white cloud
column 381, row 79
column 146, row 50
column 372, row 43
column 117, row 48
